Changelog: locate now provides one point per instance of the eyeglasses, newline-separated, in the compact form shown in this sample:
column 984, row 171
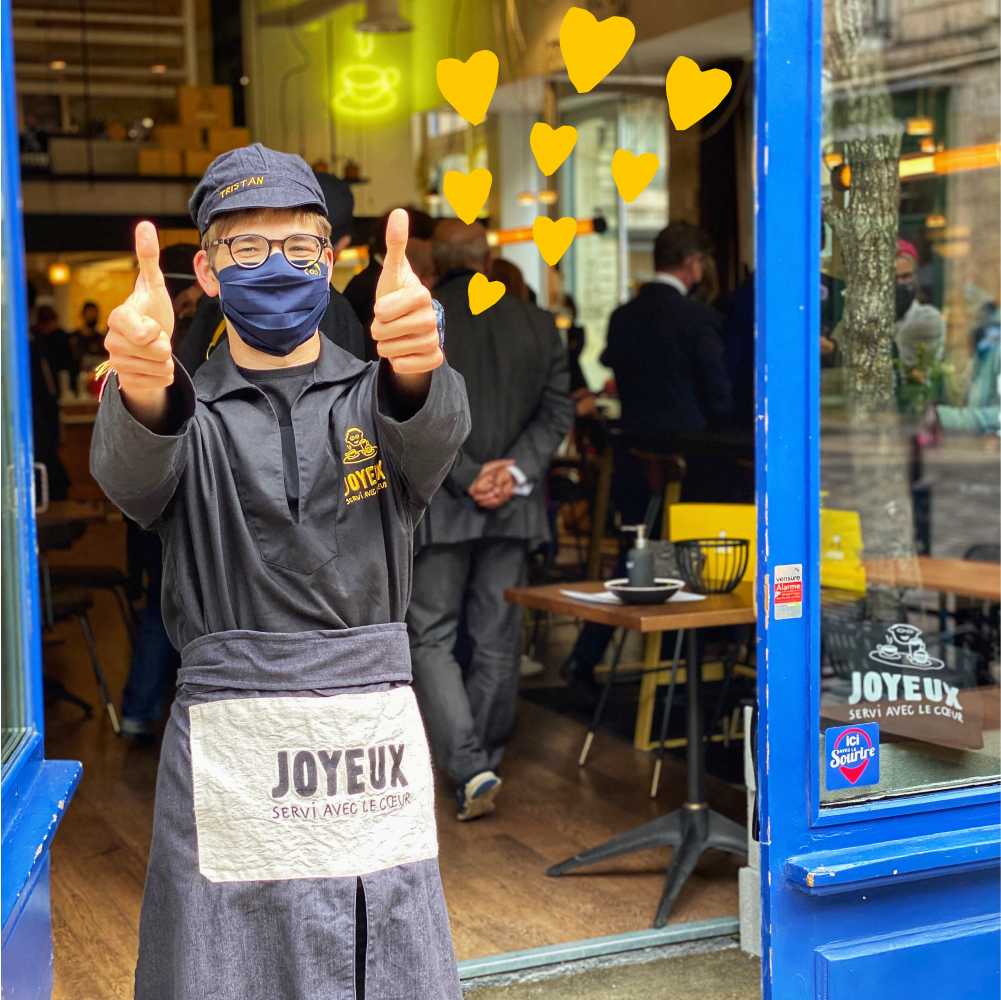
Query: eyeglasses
column 300, row 250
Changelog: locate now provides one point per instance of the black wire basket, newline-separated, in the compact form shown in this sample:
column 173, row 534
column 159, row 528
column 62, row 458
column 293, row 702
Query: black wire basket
column 712, row 565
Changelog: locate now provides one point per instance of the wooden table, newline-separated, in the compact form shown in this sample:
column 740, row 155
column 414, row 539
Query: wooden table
column 949, row 576
column 694, row 828
column 650, row 619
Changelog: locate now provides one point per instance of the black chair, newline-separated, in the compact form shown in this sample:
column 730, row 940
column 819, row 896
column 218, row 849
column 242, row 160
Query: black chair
column 62, row 535
column 75, row 602
column 99, row 578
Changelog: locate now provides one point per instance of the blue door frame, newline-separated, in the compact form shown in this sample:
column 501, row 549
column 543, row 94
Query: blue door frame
column 34, row 792
column 893, row 899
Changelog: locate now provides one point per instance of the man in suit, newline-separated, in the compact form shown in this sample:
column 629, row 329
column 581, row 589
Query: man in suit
column 475, row 536
column 666, row 350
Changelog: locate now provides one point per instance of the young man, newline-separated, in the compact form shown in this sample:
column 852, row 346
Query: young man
column 294, row 849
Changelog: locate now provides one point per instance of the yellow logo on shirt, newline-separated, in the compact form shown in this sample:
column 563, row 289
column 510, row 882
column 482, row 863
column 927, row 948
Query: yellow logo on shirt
column 357, row 447
column 364, row 482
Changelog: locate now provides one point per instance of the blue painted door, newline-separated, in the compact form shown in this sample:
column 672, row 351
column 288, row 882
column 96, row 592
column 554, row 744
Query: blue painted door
column 877, row 429
column 34, row 792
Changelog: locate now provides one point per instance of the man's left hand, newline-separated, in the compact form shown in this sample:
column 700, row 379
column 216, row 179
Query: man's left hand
column 405, row 327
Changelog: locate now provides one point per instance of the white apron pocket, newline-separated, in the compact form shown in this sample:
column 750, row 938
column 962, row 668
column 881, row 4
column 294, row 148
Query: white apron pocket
column 333, row 787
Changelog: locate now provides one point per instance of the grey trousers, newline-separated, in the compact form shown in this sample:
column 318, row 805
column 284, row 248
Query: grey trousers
column 469, row 715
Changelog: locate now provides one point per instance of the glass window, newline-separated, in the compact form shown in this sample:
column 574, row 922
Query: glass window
column 591, row 266
column 909, row 354
column 12, row 703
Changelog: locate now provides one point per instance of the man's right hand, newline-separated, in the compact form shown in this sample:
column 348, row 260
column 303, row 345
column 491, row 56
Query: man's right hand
column 138, row 340
column 494, row 484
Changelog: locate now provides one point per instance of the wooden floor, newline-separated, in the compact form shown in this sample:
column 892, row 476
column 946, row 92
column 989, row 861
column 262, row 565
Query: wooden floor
column 493, row 869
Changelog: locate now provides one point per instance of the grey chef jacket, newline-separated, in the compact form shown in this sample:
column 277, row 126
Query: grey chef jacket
column 214, row 488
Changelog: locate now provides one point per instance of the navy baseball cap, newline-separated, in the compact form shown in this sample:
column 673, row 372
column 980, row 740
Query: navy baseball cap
column 254, row 177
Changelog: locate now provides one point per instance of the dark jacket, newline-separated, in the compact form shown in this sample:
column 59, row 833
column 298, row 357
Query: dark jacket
column 337, row 324
column 667, row 355
column 214, row 489
column 515, row 368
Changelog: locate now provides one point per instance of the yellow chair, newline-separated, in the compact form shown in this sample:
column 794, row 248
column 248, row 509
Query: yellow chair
column 716, row 520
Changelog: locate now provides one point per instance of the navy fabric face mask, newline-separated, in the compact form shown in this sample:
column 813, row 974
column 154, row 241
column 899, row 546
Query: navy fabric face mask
column 274, row 307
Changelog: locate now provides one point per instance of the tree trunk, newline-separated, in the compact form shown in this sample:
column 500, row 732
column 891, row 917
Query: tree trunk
column 867, row 231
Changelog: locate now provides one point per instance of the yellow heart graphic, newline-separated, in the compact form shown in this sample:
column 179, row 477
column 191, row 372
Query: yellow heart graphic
column 692, row 94
column 483, row 294
column 467, row 194
column 633, row 173
column 468, row 86
column 553, row 238
column 551, row 147
column 592, row 48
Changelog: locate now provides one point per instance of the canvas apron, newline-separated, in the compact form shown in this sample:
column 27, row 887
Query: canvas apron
column 293, row 766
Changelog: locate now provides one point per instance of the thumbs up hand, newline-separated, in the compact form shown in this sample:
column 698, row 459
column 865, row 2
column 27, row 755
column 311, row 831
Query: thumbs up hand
column 138, row 339
column 405, row 327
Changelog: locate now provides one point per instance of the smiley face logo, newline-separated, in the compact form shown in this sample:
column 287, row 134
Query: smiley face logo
column 313, row 269
column 357, row 448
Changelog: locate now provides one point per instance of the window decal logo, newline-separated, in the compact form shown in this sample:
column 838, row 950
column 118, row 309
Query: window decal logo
column 852, row 756
column 904, row 647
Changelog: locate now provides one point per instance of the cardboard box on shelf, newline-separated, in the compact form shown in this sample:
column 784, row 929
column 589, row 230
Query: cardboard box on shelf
column 179, row 137
column 222, row 140
column 196, row 162
column 72, row 155
column 205, row 106
column 160, row 162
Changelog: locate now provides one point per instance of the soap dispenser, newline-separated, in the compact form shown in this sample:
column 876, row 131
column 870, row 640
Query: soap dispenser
column 639, row 561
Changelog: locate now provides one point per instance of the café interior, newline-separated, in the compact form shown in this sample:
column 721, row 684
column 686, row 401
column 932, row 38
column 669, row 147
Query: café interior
column 105, row 141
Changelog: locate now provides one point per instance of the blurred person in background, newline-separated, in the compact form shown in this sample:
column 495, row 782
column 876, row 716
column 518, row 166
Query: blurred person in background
column 474, row 538
column 981, row 406
column 421, row 260
column 707, row 289
column 580, row 391
column 511, row 277
column 338, row 323
column 154, row 659
column 917, row 322
column 87, row 343
column 49, row 354
column 665, row 348
column 177, row 262
column 738, row 353
column 360, row 290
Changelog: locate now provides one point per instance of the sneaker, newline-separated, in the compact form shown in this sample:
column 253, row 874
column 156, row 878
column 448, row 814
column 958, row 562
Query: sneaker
column 137, row 731
column 476, row 797
column 530, row 667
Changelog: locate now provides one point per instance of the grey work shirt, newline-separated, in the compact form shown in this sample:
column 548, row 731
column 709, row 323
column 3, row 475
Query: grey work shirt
column 234, row 558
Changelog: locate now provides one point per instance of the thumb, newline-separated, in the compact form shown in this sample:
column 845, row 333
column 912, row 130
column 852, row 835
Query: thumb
column 395, row 266
column 148, row 254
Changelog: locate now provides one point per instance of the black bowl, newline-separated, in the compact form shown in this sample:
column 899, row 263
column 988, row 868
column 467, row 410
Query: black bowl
column 712, row 565
column 663, row 590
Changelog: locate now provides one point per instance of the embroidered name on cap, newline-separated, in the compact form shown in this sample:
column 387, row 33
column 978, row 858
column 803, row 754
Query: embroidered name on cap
column 246, row 182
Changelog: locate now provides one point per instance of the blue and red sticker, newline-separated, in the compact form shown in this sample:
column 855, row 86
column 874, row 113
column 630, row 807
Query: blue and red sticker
column 852, row 756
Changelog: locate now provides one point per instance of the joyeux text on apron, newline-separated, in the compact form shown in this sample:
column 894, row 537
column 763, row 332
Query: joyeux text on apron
column 288, row 788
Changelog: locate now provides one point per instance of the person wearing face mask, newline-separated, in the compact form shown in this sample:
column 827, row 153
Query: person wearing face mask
column 208, row 329
column 916, row 322
column 87, row 343
column 294, row 849
column 177, row 262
